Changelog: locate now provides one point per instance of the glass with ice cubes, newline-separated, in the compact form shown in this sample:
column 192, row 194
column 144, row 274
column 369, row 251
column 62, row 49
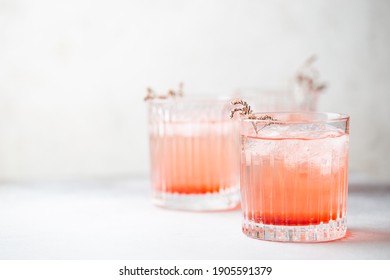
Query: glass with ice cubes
column 294, row 176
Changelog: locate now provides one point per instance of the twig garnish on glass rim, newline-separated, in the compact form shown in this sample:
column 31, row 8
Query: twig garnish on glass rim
column 246, row 112
column 151, row 94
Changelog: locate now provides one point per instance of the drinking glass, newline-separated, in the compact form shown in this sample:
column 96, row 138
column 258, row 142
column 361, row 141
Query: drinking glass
column 193, row 153
column 280, row 100
column 263, row 100
column 294, row 176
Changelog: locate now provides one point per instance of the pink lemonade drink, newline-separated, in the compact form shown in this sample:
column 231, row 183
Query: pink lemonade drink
column 194, row 154
column 294, row 177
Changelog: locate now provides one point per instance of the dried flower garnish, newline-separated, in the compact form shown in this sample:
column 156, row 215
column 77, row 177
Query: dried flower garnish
column 307, row 85
column 307, row 77
column 151, row 94
column 246, row 112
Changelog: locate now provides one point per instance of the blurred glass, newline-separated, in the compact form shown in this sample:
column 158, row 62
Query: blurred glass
column 288, row 100
column 194, row 153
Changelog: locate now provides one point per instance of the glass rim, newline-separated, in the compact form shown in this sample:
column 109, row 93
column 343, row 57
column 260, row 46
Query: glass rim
column 192, row 98
column 258, row 91
column 330, row 117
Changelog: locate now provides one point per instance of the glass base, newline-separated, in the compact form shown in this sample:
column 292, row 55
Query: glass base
column 314, row 233
column 198, row 202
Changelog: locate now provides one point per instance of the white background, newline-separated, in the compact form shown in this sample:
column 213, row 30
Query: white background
column 73, row 74
column 304, row 269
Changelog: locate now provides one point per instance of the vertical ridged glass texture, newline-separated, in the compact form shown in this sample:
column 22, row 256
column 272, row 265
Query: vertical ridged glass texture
column 194, row 154
column 294, row 177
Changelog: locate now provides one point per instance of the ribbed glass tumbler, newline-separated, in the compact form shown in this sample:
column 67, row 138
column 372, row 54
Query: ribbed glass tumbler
column 294, row 176
column 194, row 153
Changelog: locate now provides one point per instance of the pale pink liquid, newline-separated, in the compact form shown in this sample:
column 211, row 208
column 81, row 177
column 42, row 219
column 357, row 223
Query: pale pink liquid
column 195, row 158
column 294, row 182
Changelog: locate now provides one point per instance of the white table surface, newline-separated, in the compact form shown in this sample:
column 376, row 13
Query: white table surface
column 114, row 219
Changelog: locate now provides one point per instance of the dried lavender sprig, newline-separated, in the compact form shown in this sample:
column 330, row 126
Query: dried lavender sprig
column 307, row 77
column 246, row 111
column 151, row 94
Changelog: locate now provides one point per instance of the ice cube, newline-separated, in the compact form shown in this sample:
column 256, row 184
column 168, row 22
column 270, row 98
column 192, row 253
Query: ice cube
column 305, row 131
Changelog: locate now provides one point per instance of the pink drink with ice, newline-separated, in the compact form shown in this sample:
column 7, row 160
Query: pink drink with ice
column 294, row 180
column 195, row 163
column 194, row 154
